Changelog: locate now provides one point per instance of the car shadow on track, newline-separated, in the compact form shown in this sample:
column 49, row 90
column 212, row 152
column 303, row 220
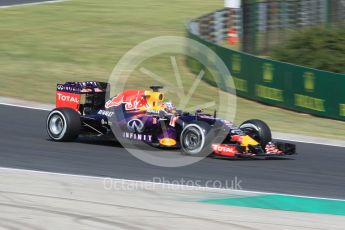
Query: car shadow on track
column 253, row 159
column 93, row 141
column 112, row 143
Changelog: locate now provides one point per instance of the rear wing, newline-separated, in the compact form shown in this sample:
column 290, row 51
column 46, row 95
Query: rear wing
column 74, row 94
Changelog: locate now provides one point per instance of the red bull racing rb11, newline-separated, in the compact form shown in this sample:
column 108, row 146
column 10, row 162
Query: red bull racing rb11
column 144, row 117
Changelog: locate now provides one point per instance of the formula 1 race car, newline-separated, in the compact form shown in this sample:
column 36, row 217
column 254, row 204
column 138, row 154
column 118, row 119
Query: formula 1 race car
column 142, row 116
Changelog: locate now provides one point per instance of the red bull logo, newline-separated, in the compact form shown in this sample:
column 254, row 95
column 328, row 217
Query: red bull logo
column 133, row 100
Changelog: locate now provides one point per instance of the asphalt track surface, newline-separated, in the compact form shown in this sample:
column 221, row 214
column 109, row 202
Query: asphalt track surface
column 317, row 171
column 17, row 2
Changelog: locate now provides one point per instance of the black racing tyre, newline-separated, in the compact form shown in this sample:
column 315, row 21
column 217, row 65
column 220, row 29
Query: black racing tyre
column 195, row 139
column 63, row 124
column 258, row 130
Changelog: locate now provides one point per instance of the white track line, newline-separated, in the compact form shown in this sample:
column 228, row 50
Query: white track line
column 31, row 4
column 310, row 142
column 200, row 188
column 24, row 106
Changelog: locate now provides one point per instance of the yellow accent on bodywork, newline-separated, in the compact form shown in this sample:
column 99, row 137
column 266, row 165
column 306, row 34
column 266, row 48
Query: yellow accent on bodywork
column 167, row 142
column 247, row 140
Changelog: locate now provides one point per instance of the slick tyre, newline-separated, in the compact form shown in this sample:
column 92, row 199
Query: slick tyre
column 258, row 130
column 195, row 139
column 63, row 124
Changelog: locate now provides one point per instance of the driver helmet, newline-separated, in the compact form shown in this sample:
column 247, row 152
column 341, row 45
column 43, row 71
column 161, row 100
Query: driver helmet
column 169, row 107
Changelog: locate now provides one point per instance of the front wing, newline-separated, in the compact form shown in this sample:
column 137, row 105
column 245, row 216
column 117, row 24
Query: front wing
column 238, row 151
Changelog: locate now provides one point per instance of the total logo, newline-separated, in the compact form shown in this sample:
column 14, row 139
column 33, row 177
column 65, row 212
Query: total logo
column 67, row 98
column 224, row 149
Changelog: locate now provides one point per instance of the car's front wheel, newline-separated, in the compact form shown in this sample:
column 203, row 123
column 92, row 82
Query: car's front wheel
column 63, row 124
column 258, row 130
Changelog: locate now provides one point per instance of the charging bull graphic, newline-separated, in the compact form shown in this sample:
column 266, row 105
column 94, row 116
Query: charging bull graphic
column 138, row 100
column 133, row 100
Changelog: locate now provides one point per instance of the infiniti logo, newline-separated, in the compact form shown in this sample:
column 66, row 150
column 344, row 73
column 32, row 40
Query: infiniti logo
column 135, row 125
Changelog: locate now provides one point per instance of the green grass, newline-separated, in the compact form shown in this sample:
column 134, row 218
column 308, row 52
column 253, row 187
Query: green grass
column 83, row 40
column 80, row 39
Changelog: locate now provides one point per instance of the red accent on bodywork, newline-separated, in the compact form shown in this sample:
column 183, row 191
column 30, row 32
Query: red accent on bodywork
column 67, row 100
column 224, row 150
column 237, row 138
column 173, row 120
column 133, row 99
column 272, row 149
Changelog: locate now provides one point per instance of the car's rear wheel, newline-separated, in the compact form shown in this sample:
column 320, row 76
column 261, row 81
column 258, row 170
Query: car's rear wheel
column 258, row 130
column 195, row 139
column 63, row 124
